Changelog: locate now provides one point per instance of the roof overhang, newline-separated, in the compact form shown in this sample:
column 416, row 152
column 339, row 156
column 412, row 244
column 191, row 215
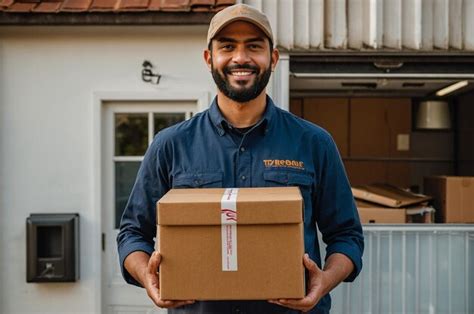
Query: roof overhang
column 107, row 18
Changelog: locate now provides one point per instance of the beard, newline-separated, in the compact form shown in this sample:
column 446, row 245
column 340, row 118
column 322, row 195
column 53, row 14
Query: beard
column 242, row 94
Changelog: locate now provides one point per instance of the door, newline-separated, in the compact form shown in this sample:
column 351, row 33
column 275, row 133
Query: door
column 129, row 128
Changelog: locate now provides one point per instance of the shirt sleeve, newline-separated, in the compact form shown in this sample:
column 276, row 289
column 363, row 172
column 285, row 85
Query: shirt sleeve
column 336, row 213
column 138, row 224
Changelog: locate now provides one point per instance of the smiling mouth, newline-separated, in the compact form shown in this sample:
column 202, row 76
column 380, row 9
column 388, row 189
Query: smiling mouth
column 242, row 74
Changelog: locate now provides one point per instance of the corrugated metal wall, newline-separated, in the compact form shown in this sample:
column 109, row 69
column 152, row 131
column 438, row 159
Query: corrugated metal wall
column 426, row 25
column 411, row 269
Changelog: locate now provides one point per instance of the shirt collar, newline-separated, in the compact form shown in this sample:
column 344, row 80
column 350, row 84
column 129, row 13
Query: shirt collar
column 220, row 122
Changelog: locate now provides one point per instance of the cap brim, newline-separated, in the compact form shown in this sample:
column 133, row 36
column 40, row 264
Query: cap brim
column 239, row 18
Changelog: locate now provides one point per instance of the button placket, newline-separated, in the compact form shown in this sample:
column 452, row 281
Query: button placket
column 243, row 167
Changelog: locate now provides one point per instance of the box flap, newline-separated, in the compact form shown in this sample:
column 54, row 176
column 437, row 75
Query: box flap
column 254, row 206
column 388, row 195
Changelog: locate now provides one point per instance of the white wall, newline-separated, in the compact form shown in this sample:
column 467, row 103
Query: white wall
column 47, row 79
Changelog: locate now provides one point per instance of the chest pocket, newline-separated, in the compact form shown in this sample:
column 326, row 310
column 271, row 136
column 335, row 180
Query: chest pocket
column 287, row 178
column 303, row 180
column 198, row 180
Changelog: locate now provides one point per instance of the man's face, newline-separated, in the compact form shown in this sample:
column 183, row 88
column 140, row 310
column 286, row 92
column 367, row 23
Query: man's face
column 241, row 61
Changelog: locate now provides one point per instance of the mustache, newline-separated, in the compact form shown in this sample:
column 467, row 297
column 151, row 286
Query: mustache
column 228, row 69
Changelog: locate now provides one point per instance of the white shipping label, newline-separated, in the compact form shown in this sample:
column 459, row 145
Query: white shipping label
column 229, row 229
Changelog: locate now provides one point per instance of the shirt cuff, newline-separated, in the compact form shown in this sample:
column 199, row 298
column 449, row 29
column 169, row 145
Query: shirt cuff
column 125, row 250
column 351, row 252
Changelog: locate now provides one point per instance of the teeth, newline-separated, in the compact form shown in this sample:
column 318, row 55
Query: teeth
column 242, row 73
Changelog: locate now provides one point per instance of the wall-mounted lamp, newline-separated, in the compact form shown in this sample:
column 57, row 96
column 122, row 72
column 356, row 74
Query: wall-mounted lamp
column 148, row 75
column 433, row 115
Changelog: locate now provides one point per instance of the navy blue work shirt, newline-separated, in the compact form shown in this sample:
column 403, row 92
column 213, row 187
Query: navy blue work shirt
column 280, row 150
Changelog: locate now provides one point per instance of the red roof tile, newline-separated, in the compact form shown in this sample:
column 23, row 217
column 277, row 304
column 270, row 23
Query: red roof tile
column 155, row 5
column 175, row 5
column 5, row 4
column 103, row 5
column 133, row 5
column 202, row 2
column 48, row 7
column 76, row 5
column 202, row 5
column 21, row 7
column 222, row 4
column 225, row 2
column 117, row 6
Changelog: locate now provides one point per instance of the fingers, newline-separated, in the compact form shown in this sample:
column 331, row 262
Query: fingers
column 172, row 304
column 153, row 287
column 313, row 295
column 153, row 291
column 305, row 304
column 309, row 301
column 152, row 284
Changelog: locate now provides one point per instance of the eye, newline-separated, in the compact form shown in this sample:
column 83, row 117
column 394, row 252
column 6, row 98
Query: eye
column 227, row 47
column 254, row 46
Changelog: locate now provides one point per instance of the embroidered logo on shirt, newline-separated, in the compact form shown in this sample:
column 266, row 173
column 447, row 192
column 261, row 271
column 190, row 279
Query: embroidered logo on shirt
column 283, row 163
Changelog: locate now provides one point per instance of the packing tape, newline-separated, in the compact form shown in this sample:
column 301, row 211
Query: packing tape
column 229, row 229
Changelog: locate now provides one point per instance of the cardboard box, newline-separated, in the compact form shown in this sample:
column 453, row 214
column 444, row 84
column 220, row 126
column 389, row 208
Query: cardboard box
column 388, row 195
column 373, row 213
column 213, row 251
column 453, row 198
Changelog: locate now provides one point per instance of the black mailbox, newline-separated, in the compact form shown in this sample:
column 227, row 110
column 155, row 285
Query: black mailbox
column 52, row 248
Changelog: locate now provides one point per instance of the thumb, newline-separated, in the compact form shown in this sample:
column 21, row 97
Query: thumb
column 310, row 264
column 154, row 262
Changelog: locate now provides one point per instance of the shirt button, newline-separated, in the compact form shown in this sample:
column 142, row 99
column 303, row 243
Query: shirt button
column 242, row 149
column 243, row 177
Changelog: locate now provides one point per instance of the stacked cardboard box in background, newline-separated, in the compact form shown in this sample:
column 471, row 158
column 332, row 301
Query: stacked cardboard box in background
column 453, row 198
column 386, row 204
column 374, row 213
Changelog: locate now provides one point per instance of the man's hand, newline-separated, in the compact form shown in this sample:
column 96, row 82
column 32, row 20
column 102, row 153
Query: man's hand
column 337, row 268
column 146, row 273
column 152, row 284
column 316, row 288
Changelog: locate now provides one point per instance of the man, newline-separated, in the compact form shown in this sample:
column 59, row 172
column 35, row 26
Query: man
column 244, row 140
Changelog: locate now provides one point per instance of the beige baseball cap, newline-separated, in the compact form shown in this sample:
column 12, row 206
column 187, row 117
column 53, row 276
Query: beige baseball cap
column 238, row 12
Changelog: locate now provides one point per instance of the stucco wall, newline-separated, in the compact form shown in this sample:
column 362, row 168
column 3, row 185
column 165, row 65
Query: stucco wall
column 47, row 79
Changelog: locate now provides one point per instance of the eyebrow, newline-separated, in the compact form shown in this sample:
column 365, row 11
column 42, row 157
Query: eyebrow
column 232, row 40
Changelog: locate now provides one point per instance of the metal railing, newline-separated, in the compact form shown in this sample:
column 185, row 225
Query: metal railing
column 412, row 269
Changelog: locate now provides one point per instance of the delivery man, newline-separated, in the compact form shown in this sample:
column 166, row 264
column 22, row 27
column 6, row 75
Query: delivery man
column 244, row 140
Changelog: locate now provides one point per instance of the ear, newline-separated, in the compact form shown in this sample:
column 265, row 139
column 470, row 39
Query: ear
column 275, row 58
column 207, row 58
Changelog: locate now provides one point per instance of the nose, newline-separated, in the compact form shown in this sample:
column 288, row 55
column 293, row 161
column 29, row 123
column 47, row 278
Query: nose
column 241, row 55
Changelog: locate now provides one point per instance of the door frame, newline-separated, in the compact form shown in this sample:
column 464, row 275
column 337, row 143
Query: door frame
column 202, row 98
